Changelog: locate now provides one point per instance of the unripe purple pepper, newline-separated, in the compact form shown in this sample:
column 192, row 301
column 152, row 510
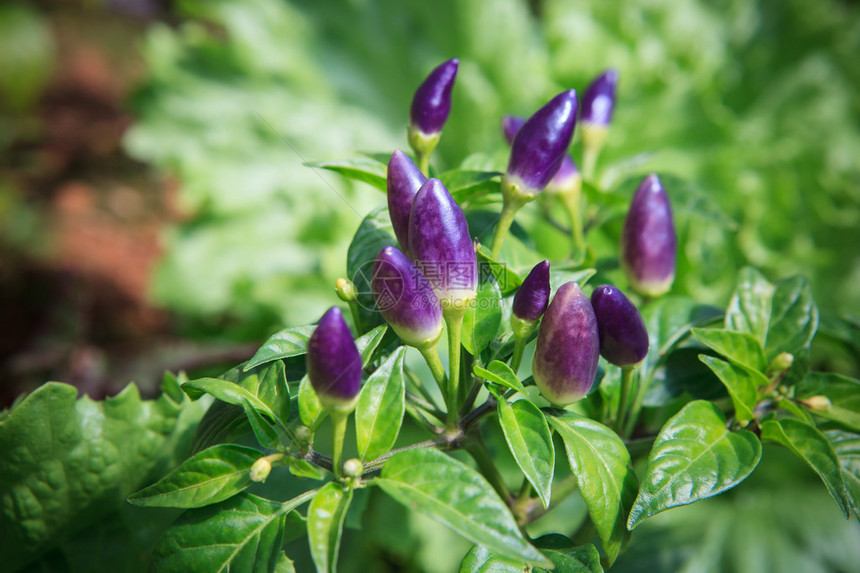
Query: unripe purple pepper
column 622, row 332
column 568, row 348
column 432, row 101
column 531, row 300
column 441, row 246
column 540, row 145
column 403, row 181
column 648, row 240
column 333, row 363
column 565, row 179
column 405, row 298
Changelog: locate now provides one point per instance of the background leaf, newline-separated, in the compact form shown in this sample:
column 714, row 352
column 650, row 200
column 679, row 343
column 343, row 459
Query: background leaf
column 693, row 457
column 380, row 408
column 365, row 169
column 431, row 482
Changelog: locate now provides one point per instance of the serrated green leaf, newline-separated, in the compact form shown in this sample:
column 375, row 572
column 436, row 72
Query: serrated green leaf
column 750, row 307
column 500, row 373
column 208, row 477
column 508, row 280
column 325, row 525
column 794, row 317
column 374, row 233
column 243, row 533
column 283, row 344
column 431, row 482
column 530, row 442
column 847, row 448
column 484, row 315
column 380, row 408
column 810, row 445
column 739, row 347
column 311, row 411
column 365, row 169
column 741, row 382
column 694, row 457
column 67, row 462
column 601, row 464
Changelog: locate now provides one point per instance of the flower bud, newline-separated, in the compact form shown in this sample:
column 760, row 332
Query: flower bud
column 540, row 145
column 405, row 298
column 598, row 104
column 432, row 101
column 345, row 290
column 780, row 363
column 818, row 403
column 353, row 467
column 403, row 181
column 531, row 300
column 440, row 243
column 333, row 363
column 260, row 470
column 566, row 178
column 622, row 332
column 648, row 241
column 568, row 348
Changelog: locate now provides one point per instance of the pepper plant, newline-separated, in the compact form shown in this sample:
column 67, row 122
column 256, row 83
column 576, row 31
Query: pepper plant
column 677, row 411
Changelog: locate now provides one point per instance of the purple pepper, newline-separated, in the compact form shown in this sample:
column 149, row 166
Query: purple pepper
column 598, row 103
column 565, row 178
column 623, row 336
column 405, row 298
column 432, row 101
column 333, row 363
column 532, row 297
column 648, row 241
column 568, row 348
column 403, row 181
column 441, row 246
column 541, row 144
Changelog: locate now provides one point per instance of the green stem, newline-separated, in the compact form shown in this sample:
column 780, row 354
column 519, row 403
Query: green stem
column 635, row 408
column 431, row 357
column 478, row 450
column 626, row 381
column 454, row 320
column 589, row 161
column 338, row 420
column 423, row 162
column 506, row 218
column 356, row 316
column 517, row 357
column 572, row 201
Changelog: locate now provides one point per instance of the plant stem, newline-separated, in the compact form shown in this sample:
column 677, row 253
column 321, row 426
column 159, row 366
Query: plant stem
column 431, row 357
column 423, row 162
column 503, row 226
column 517, row 357
column 454, row 320
column 589, row 161
column 356, row 316
column 338, row 421
column 633, row 415
column 478, row 450
column 572, row 201
column 626, row 380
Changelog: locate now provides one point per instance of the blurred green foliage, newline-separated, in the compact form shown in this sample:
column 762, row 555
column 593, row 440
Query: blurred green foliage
column 749, row 103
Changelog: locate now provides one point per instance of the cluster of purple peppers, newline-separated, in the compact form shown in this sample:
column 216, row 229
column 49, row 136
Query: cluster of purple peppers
column 434, row 273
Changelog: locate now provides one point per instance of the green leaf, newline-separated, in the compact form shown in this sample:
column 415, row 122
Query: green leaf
column 284, row 564
column 368, row 342
column 466, row 184
column 283, row 344
column 264, row 431
column 741, row 382
column 500, row 373
column 380, row 408
column 810, row 445
column 226, row 392
column 273, row 390
column 311, row 411
column 365, row 169
column 325, row 525
column 843, row 393
column 847, row 448
column 66, row 463
column 794, row 317
column 567, row 557
column 303, row 469
column 243, row 533
column 484, row 315
column 694, row 457
column 530, row 441
column 451, row 492
column 738, row 347
column 480, row 559
column 208, row 477
column 374, row 233
column 749, row 309
column 601, row 464
column 508, row 280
